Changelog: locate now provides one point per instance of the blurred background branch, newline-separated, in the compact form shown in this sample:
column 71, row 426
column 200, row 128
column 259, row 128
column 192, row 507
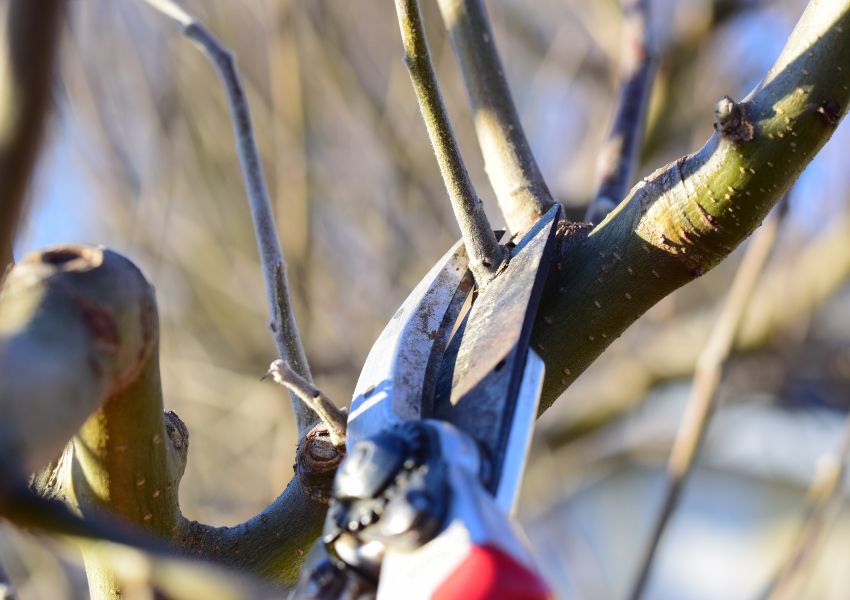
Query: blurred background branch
column 709, row 370
column 825, row 496
column 513, row 173
column 30, row 37
column 618, row 157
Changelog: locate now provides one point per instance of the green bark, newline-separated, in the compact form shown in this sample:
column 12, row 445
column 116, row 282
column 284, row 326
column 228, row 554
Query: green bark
column 80, row 335
column 685, row 218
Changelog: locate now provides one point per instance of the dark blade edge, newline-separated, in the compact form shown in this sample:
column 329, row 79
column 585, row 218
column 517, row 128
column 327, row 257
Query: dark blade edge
column 521, row 349
column 515, row 356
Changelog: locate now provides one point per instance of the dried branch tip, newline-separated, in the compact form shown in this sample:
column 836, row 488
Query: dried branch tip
column 731, row 120
column 330, row 415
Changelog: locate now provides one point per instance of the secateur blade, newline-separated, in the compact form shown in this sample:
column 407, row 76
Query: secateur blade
column 410, row 513
column 398, row 378
column 484, row 380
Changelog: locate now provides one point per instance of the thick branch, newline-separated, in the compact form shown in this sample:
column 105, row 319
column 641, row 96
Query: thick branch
column 283, row 326
column 30, row 35
column 688, row 216
column 520, row 189
column 75, row 328
column 273, row 543
column 700, row 404
column 487, row 257
column 79, row 330
column 638, row 65
column 649, row 354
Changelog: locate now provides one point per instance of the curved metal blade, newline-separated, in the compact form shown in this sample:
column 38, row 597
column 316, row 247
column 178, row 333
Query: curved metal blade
column 397, row 382
column 480, row 377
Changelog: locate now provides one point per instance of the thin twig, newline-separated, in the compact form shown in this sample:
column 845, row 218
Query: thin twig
column 704, row 387
column 522, row 193
column 618, row 156
column 823, row 503
column 487, row 257
column 283, row 326
column 334, row 418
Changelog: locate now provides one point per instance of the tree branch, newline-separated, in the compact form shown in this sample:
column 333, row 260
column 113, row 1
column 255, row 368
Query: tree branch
column 75, row 328
column 685, row 218
column 653, row 353
column 30, row 36
column 700, row 405
column 334, row 419
column 283, row 326
column 487, row 257
column 619, row 154
column 152, row 576
column 80, row 334
column 823, row 502
column 520, row 189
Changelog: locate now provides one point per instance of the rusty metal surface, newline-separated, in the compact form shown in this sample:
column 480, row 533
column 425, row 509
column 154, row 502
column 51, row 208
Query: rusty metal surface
column 482, row 369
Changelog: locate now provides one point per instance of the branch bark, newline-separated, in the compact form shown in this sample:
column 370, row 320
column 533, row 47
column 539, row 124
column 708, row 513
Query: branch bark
column 650, row 354
column 80, row 335
column 487, row 257
column 685, row 218
column 520, row 189
column 638, row 65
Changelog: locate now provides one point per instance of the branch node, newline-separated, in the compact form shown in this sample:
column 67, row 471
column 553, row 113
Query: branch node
column 732, row 120
column 831, row 112
column 316, row 462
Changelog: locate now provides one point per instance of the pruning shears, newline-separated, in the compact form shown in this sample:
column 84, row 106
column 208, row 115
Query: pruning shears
column 438, row 436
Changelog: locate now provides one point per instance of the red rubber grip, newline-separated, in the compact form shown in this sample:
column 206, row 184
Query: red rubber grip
column 490, row 574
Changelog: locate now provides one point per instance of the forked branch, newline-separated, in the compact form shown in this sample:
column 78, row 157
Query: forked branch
column 332, row 417
column 522, row 193
column 638, row 65
column 684, row 219
column 283, row 326
column 487, row 257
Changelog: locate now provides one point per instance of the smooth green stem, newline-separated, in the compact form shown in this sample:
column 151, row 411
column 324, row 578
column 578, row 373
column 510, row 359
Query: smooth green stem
column 487, row 257
column 513, row 172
